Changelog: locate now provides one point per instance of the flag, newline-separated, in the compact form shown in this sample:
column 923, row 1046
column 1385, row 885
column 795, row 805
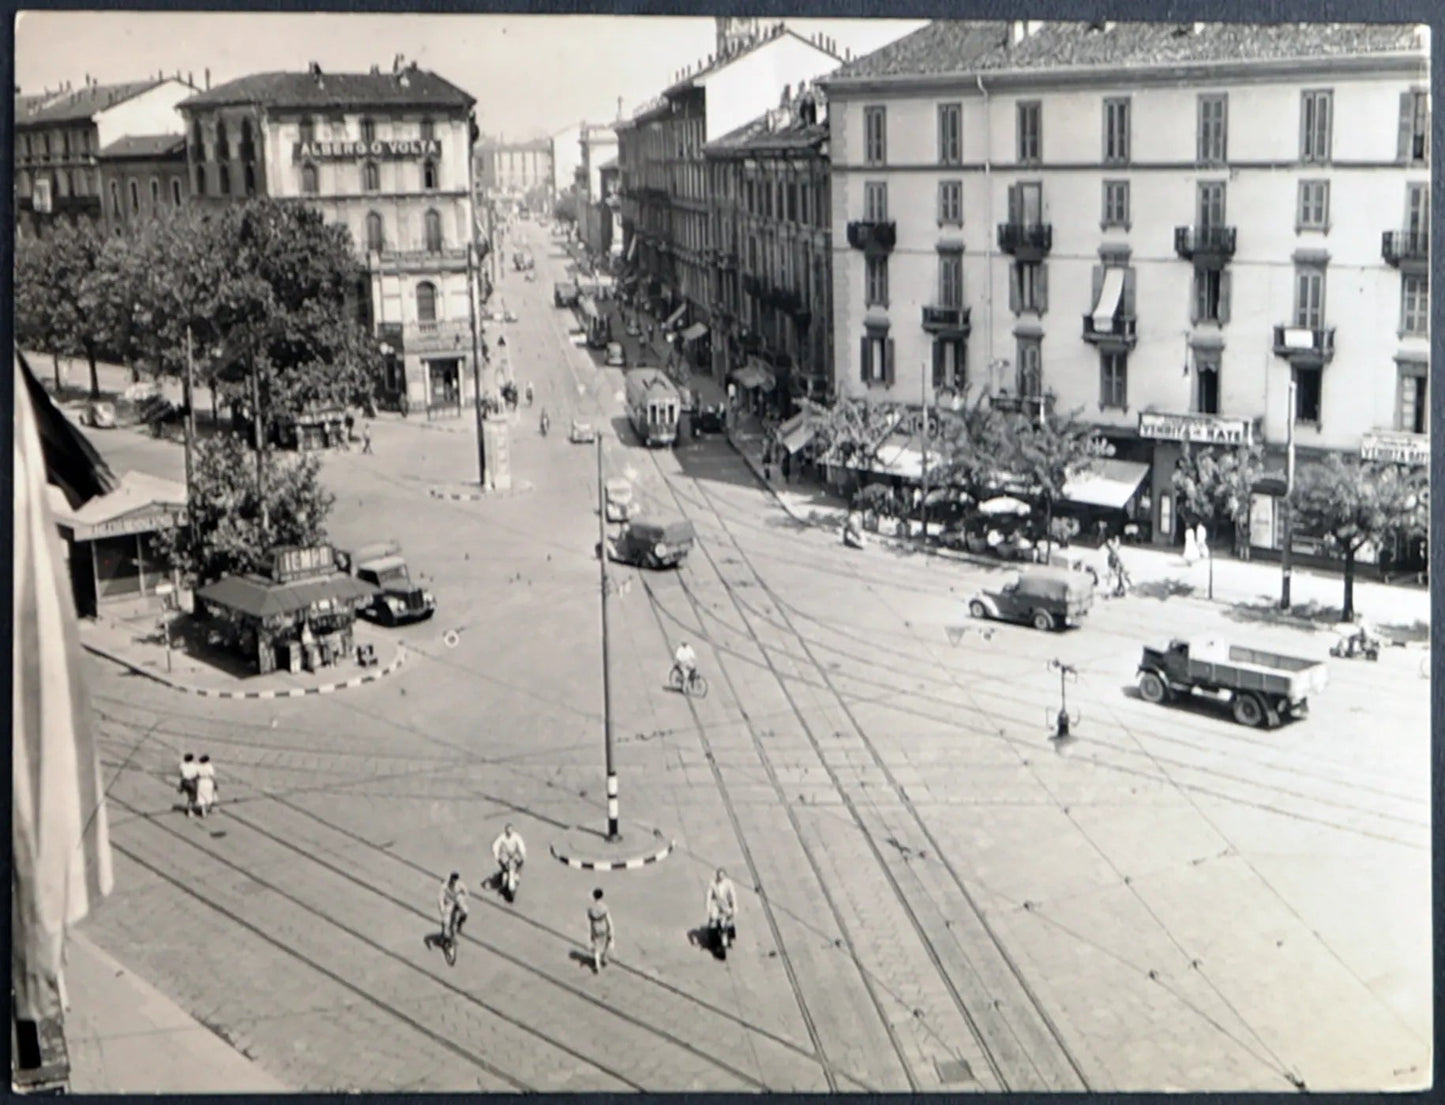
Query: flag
column 61, row 848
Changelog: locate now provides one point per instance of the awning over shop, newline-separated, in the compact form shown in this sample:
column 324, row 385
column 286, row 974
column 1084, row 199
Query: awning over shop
column 798, row 431
column 262, row 598
column 140, row 504
column 1110, row 293
column 1109, row 483
column 901, row 455
column 754, row 376
column 674, row 318
column 693, row 332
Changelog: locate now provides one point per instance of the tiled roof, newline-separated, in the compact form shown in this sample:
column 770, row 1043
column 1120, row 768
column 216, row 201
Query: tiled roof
column 83, row 103
column 145, row 145
column 406, row 88
column 755, row 135
column 959, row 46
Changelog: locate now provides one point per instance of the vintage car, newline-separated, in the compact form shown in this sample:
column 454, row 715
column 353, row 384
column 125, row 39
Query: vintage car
column 98, row 414
column 1261, row 688
column 616, row 355
column 648, row 543
column 711, row 418
column 618, row 494
column 397, row 598
column 1046, row 598
column 581, row 432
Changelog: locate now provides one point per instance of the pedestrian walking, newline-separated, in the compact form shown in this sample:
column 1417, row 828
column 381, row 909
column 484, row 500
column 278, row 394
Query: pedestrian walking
column 599, row 930
column 366, row 437
column 768, row 462
column 190, row 771
column 787, row 466
column 205, row 785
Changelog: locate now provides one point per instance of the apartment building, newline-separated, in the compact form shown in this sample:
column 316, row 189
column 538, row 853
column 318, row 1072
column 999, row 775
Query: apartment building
column 59, row 137
column 388, row 155
column 771, row 253
column 1164, row 225
column 518, row 173
column 141, row 176
column 665, row 197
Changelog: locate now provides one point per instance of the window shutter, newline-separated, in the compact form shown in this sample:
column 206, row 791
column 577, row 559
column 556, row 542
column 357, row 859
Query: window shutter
column 1013, row 204
column 1041, row 287
column 1407, row 126
column 1128, row 296
column 1196, row 306
column 1304, row 116
column 888, row 366
column 1224, row 281
column 938, row 365
column 1098, row 285
column 1015, row 292
column 863, row 359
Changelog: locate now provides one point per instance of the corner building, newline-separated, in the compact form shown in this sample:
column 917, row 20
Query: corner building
column 388, row 156
column 1164, row 225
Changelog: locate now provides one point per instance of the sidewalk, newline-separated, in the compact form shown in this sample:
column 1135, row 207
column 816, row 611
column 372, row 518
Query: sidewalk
column 139, row 645
column 125, row 1036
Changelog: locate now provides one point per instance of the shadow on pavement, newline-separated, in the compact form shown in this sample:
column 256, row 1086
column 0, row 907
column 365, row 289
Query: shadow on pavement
column 582, row 959
column 701, row 937
column 1164, row 589
column 194, row 638
column 1267, row 611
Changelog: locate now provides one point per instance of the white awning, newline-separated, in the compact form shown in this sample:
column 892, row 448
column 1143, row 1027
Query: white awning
column 754, row 376
column 1296, row 338
column 797, row 431
column 693, row 332
column 674, row 318
column 1109, row 483
column 1110, row 293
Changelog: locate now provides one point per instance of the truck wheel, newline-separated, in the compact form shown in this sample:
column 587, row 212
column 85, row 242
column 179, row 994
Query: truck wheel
column 1043, row 620
column 1152, row 688
column 977, row 609
column 1248, row 711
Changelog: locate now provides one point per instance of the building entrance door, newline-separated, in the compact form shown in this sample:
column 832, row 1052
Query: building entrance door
column 444, row 388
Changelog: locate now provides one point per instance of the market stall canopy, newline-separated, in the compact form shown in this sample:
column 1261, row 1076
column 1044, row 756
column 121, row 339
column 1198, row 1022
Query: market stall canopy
column 754, row 376
column 902, row 455
column 798, row 431
column 1109, row 483
column 693, row 332
column 138, row 504
column 674, row 318
column 1004, row 504
column 263, row 598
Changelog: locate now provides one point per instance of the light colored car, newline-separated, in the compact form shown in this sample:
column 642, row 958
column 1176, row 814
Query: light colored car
column 99, row 414
column 616, row 356
column 140, row 390
column 618, row 492
column 581, row 433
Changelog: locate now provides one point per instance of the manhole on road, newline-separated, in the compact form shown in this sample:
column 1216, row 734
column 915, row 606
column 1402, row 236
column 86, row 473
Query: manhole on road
column 953, row 1070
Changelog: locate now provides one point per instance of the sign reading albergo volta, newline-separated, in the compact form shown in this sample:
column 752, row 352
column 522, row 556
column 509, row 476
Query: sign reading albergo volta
column 385, row 149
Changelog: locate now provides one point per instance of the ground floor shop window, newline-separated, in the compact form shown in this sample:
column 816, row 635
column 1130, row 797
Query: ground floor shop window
column 444, row 378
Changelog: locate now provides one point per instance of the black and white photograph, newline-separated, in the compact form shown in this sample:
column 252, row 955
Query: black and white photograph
column 678, row 553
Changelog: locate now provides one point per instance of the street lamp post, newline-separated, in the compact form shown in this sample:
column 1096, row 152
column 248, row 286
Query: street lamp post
column 473, row 286
column 612, row 798
column 923, row 443
column 1286, row 557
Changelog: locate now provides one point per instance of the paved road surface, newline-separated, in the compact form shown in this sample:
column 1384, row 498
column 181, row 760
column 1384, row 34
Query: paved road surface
column 934, row 895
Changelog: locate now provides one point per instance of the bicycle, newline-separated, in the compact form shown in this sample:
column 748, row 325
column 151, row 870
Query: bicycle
column 449, row 937
column 691, row 684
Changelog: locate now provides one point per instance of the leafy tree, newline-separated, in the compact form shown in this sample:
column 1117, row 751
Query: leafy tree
column 57, row 283
column 1045, row 453
column 1213, row 485
column 973, row 448
column 1353, row 502
column 231, row 528
column 852, row 430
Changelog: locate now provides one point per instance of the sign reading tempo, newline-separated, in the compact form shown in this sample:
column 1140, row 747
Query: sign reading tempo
column 1204, row 428
column 383, row 149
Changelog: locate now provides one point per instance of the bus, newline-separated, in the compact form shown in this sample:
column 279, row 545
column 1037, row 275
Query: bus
column 654, row 405
column 595, row 324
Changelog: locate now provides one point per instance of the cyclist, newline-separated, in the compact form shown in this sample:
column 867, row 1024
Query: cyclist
column 452, row 902
column 545, row 422
column 509, row 850
column 685, row 660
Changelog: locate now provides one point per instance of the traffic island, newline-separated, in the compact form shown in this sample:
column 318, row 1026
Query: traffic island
column 473, row 492
column 589, row 850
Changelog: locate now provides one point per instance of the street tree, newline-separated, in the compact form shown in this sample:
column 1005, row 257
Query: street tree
column 1044, row 453
column 56, row 279
column 1353, row 502
column 1214, row 485
column 233, row 521
column 972, row 447
column 851, row 431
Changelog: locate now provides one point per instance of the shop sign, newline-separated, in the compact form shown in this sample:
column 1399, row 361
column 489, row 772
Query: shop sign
column 383, row 149
column 289, row 565
column 145, row 522
column 1204, row 428
column 1261, row 521
column 1397, row 448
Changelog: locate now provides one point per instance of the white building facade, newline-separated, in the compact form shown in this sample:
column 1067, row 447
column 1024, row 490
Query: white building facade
column 1053, row 217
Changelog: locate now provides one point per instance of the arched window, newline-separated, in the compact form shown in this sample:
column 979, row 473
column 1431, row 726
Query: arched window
column 175, row 191
column 375, row 232
column 426, row 302
column 371, row 176
column 198, row 137
column 225, row 179
column 155, row 193
column 200, row 180
column 368, row 130
column 115, row 198
column 223, row 146
column 429, row 175
column 308, row 179
column 250, row 179
column 134, row 198
column 433, row 232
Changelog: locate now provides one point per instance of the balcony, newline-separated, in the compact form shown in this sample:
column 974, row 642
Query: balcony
column 1026, row 241
column 1406, row 249
column 438, row 335
column 1031, row 405
column 1119, row 332
column 1207, row 246
column 1305, row 345
column 419, row 258
column 873, row 237
column 947, row 320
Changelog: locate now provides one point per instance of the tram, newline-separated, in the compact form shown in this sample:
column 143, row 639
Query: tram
column 654, row 405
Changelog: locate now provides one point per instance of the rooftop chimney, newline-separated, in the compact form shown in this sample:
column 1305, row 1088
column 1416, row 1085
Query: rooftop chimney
column 208, row 79
column 191, row 79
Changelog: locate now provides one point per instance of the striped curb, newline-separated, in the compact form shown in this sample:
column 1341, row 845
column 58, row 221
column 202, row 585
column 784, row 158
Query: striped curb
column 518, row 488
column 612, row 865
column 292, row 692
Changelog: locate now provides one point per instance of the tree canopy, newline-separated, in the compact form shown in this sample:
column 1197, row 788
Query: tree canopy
column 60, row 292
column 1211, row 485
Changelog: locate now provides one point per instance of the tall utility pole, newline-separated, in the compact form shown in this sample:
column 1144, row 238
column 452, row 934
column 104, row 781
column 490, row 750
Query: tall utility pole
column 190, row 434
column 1286, row 556
column 923, row 443
column 260, row 440
column 473, row 291
column 612, row 833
